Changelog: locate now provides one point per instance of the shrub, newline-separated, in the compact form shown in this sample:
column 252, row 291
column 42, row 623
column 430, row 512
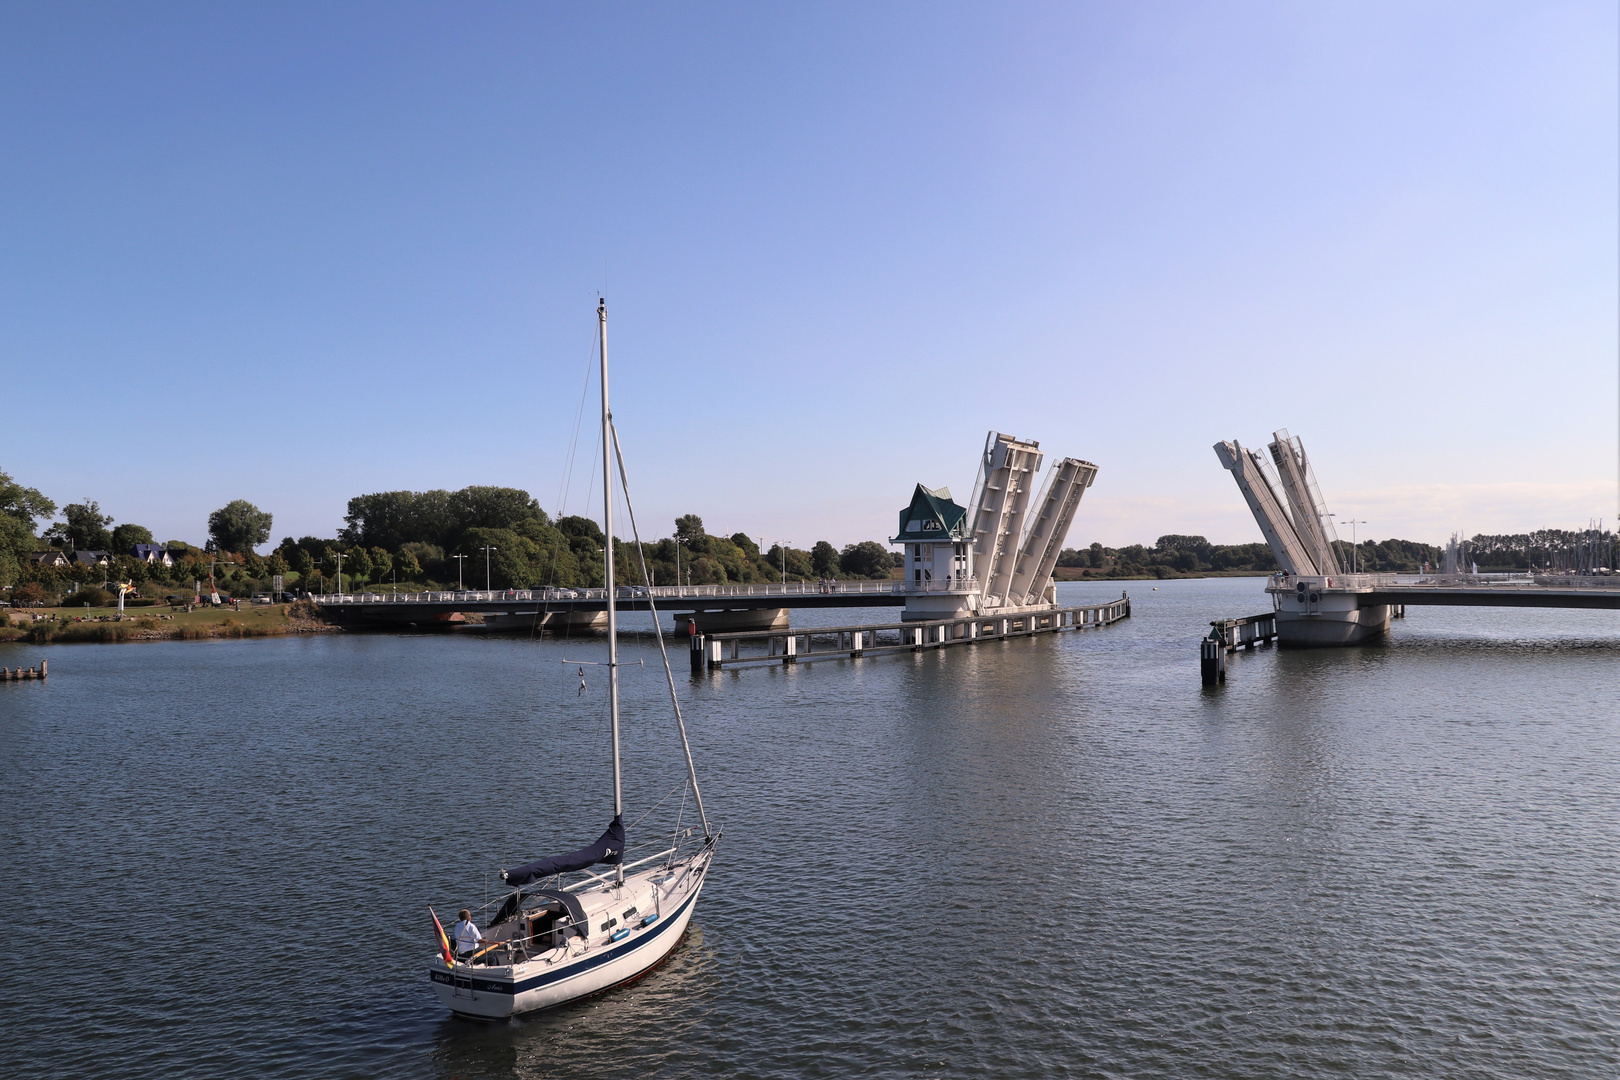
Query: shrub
column 90, row 597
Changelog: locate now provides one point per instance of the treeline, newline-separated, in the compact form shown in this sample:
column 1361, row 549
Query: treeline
column 1175, row 553
column 477, row 536
column 500, row 538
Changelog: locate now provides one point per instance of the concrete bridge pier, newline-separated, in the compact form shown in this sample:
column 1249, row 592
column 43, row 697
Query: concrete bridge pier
column 1312, row 616
column 730, row 622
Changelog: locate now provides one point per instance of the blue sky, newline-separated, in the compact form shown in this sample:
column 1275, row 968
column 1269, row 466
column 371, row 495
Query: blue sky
column 293, row 254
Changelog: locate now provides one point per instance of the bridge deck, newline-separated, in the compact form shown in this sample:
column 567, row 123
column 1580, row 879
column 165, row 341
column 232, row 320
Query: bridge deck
column 1463, row 590
column 394, row 607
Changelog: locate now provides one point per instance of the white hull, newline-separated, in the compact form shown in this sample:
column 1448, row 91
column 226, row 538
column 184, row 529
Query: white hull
column 545, row 982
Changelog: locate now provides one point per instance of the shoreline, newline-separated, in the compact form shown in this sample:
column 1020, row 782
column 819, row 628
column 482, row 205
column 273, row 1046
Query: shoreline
column 67, row 626
column 63, row 626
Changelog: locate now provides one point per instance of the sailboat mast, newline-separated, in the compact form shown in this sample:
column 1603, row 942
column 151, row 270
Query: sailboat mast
column 607, row 566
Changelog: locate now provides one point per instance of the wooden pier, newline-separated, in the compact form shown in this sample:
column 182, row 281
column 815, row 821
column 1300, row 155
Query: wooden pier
column 21, row 674
column 711, row 651
column 1247, row 632
column 1230, row 635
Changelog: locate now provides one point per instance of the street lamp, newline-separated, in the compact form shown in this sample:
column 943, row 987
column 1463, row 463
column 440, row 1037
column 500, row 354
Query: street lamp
column 487, row 550
column 463, row 558
column 340, row 574
column 678, row 543
column 1353, row 553
column 783, row 545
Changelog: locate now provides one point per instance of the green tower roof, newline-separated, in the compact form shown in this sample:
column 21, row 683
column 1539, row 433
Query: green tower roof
column 931, row 516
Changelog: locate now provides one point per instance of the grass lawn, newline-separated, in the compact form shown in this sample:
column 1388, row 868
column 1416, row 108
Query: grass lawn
column 157, row 623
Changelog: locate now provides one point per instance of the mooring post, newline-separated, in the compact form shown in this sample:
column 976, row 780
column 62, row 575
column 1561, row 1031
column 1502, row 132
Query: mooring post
column 1212, row 660
column 42, row 664
column 696, row 650
column 714, row 652
column 790, row 649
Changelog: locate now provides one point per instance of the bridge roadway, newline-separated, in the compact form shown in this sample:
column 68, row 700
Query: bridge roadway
column 427, row 607
column 1466, row 590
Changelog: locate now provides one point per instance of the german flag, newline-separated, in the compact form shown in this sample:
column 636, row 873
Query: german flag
column 444, row 941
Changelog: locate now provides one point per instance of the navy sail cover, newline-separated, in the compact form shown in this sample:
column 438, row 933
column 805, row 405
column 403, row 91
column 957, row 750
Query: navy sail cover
column 609, row 848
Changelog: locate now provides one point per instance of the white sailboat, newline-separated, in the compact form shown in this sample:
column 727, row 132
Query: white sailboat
column 565, row 932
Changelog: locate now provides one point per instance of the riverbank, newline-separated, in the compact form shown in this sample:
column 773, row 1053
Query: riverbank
column 41, row 626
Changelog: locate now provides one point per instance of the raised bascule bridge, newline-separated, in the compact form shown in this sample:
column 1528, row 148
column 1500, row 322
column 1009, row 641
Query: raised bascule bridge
column 1317, row 600
column 992, row 562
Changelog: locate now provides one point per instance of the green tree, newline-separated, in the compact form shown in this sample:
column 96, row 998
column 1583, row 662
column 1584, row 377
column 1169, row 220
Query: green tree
column 277, row 563
column 689, row 531
column 868, row 559
column 382, row 564
column 126, row 536
column 407, row 566
column 85, row 528
column 357, row 563
column 427, row 558
column 303, row 562
column 20, row 508
column 239, row 526
column 824, row 559
column 24, row 504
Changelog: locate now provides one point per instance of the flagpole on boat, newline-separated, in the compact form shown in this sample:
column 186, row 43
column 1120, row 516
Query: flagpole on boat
column 607, row 571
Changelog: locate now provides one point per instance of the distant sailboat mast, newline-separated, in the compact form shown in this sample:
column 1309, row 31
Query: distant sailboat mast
column 607, row 571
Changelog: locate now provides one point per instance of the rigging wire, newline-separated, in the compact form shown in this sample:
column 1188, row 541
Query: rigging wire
column 681, row 788
column 658, row 635
column 573, row 441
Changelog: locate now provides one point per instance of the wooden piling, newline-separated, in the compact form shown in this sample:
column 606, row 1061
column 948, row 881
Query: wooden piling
column 1212, row 661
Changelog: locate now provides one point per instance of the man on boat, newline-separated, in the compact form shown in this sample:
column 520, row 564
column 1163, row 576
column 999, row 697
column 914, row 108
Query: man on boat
column 468, row 937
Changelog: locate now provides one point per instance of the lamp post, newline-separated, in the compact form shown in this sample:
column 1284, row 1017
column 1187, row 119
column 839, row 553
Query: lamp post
column 678, row 543
column 487, row 549
column 340, row 574
column 463, row 560
column 1353, row 553
column 783, row 545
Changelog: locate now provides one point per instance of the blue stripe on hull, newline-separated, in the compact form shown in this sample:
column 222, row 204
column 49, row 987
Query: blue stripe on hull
column 499, row 986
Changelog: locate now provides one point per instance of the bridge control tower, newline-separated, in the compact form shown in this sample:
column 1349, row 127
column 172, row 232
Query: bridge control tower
column 1000, row 556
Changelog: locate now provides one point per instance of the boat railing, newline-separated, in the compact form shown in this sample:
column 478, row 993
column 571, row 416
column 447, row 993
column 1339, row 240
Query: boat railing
column 526, row 941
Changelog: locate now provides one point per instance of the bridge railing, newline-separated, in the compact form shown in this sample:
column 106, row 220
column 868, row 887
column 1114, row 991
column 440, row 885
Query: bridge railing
column 1350, row 582
column 1545, row 581
column 662, row 592
column 1288, row 582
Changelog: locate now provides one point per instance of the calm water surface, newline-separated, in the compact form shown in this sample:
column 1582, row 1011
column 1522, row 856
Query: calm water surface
column 1052, row 857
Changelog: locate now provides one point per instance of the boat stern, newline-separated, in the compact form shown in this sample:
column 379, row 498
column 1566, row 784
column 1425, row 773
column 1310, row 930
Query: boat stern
column 479, row 993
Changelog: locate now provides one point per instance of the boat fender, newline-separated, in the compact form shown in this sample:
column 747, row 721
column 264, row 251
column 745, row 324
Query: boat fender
column 620, row 934
column 648, row 920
